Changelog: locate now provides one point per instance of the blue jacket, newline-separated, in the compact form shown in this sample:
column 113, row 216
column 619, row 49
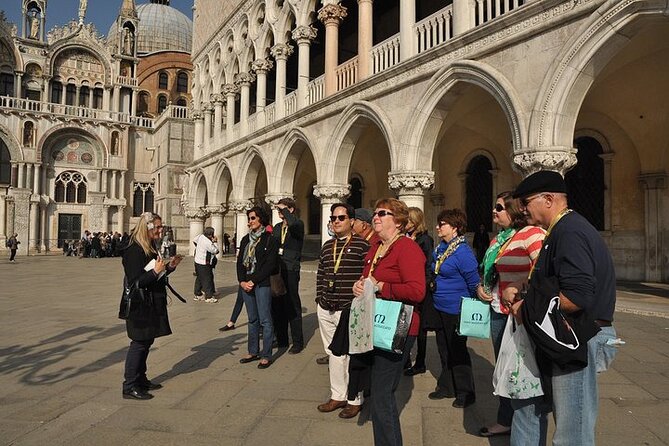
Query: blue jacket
column 458, row 277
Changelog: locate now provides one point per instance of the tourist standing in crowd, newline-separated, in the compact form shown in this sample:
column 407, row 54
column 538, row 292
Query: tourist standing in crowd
column 141, row 252
column 508, row 260
column 257, row 260
column 455, row 275
column 417, row 231
column 362, row 225
column 340, row 265
column 96, row 246
column 574, row 264
column 287, row 309
column 226, row 243
column 13, row 245
column 395, row 266
column 205, row 255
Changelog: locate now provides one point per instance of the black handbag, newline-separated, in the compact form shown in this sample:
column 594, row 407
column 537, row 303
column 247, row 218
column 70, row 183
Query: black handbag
column 136, row 302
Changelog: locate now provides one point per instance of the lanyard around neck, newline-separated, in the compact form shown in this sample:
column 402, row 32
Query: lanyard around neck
column 383, row 249
column 337, row 258
column 284, row 232
column 447, row 253
column 555, row 221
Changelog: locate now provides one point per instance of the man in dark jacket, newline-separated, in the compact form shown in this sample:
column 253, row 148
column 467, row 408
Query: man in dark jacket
column 13, row 245
column 287, row 309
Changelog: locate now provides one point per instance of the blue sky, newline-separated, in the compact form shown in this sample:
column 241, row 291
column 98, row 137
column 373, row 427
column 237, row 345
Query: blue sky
column 101, row 13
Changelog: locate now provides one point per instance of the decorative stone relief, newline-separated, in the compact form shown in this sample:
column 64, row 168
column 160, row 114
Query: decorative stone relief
column 332, row 192
column 262, row 66
column 559, row 159
column 216, row 210
column 411, row 182
column 244, row 79
column 281, row 51
column 273, row 199
column 239, row 206
column 332, row 13
column 196, row 214
column 304, row 34
column 217, row 99
column 230, row 89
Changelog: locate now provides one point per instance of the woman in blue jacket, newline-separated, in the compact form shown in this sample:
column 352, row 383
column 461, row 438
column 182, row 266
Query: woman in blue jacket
column 455, row 275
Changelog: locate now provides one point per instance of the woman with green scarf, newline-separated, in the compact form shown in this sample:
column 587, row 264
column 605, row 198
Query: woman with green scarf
column 509, row 259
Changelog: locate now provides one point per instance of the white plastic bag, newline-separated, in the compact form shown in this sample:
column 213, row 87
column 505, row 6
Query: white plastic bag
column 361, row 321
column 516, row 373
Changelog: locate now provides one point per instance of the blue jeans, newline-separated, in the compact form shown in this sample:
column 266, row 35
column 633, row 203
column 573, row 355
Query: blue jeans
column 497, row 325
column 259, row 309
column 385, row 376
column 239, row 304
column 575, row 401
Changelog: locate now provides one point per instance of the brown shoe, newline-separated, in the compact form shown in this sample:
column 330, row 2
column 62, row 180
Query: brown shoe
column 350, row 411
column 323, row 360
column 331, row 406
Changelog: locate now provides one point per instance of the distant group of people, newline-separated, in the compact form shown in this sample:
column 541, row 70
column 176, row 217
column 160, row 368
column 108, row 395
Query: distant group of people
column 546, row 259
column 96, row 244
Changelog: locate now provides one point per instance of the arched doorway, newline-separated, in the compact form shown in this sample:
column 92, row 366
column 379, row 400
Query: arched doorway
column 478, row 191
column 585, row 182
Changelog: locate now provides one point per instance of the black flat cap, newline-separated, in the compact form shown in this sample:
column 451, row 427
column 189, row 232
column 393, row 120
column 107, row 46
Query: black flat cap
column 542, row 181
column 363, row 214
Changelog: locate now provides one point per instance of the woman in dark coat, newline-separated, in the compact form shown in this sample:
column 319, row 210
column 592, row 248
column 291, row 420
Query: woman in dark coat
column 137, row 256
column 258, row 258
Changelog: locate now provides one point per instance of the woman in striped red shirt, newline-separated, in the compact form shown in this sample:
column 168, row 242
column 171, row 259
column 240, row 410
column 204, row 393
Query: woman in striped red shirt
column 508, row 259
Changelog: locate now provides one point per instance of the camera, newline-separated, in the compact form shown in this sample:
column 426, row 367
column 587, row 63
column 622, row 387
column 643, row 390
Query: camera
column 168, row 248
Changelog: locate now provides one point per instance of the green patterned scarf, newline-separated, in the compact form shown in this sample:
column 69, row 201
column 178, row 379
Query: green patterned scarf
column 488, row 263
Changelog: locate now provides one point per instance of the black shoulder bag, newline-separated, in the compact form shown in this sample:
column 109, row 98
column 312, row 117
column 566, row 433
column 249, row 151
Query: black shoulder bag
column 136, row 302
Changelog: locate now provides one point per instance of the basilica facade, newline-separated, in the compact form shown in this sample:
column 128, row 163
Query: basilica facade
column 94, row 130
column 441, row 103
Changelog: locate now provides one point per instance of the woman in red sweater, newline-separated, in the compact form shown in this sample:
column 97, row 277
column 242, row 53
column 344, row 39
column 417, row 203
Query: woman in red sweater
column 396, row 267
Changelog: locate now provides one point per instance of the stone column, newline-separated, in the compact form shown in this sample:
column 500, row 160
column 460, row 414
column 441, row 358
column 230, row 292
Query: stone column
column 114, row 184
column 655, row 202
column 77, row 93
column 329, row 194
column 21, row 178
column 331, row 15
column 216, row 213
column 559, row 159
column 3, row 216
column 407, row 33
column 230, row 91
column 207, row 126
column 37, row 174
column 196, row 218
column 463, row 16
column 133, row 102
column 260, row 67
column 239, row 207
column 411, row 186
column 280, row 52
column 199, row 133
column 243, row 81
column 120, row 220
column 43, row 207
column 303, row 35
column 117, row 98
column 365, row 38
column 29, row 176
column 33, row 238
column 91, row 93
column 218, row 120
column 121, row 187
column 103, row 182
column 106, row 93
column 19, row 80
column 273, row 200
column 44, row 186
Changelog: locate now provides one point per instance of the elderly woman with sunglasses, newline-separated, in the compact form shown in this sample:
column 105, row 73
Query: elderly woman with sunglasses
column 455, row 275
column 395, row 265
column 508, row 259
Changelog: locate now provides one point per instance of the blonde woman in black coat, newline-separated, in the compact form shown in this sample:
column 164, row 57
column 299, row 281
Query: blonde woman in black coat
column 141, row 252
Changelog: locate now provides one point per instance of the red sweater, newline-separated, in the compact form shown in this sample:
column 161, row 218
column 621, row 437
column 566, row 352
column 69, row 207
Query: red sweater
column 402, row 271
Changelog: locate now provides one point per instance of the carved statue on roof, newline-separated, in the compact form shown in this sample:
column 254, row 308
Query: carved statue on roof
column 83, row 4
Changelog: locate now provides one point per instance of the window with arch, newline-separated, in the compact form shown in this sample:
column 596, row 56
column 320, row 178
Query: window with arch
column 162, row 103
column 70, row 94
column 70, row 187
column 56, row 92
column 28, row 133
column 6, row 84
column 142, row 198
column 182, row 82
column 585, row 182
column 115, row 144
column 478, row 187
column 143, row 102
column 162, row 80
column 5, row 164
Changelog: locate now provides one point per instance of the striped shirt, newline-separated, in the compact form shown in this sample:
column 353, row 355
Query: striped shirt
column 515, row 262
column 340, row 295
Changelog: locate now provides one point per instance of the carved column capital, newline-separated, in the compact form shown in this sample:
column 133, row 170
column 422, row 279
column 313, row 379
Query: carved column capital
column 244, row 79
column 413, row 182
column 206, row 107
column 273, row 199
column 332, row 14
column 217, row 99
column 559, row 159
column 281, row 51
column 332, row 192
column 304, row 34
column 196, row 214
column 653, row 180
column 239, row 206
column 262, row 66
column 215, row 210
column 230, row 89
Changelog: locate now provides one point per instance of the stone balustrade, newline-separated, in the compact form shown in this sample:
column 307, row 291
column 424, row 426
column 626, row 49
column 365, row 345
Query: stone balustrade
column 386, row 54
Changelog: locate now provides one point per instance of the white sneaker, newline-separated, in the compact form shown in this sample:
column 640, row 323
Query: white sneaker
column 211, row 300
column 198, row 298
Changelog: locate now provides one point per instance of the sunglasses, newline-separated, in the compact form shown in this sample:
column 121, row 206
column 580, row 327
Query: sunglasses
column 442, row 223
column 253, row 218
column 382, row 213
column 526, row 201
column 499, row 207
column 334, row 218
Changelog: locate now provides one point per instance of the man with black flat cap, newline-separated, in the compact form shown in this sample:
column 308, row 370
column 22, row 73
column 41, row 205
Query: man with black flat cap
column 576, row 260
